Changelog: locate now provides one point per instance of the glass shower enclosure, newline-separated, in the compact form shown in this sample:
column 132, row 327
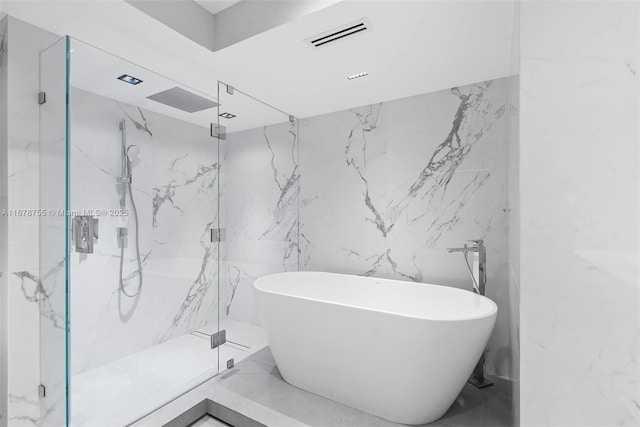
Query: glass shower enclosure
column 160, row 206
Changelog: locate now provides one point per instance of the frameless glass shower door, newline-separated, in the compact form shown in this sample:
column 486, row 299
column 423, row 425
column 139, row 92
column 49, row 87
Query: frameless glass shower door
column 259, row 198
column 135, row 170
column 53, row 275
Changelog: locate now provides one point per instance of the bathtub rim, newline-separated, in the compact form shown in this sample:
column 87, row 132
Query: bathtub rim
column 493, row 312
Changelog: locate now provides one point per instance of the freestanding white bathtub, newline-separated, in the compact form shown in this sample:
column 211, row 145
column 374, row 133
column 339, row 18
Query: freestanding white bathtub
column 398, row 350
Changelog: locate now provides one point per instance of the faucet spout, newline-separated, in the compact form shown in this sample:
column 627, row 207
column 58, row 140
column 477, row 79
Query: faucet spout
column 464, row 249
column 477, row 378
column 477, row 246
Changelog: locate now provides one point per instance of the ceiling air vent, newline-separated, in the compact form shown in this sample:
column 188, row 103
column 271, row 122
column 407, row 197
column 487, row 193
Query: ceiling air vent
column 341, row 33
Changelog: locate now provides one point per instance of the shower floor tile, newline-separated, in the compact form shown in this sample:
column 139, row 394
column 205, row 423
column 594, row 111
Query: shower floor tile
column 256, row 390
column 120, row 392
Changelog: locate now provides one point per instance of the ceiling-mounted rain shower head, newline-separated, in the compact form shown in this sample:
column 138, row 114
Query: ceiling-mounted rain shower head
column 183, row 100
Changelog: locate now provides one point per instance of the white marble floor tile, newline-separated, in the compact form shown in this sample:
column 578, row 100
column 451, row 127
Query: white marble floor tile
column 122, row 391
column 256, row 390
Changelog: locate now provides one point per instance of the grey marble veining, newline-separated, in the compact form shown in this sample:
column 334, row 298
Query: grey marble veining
column 141, row 124
column 203, row 283
column 144, row 258
column 29, row 408
column 259, row 211
column 287, row 179
column 356, row 157
column 35, row 291
column 3, row 43
column 387, row 187
column 377, row 261
column 206, row 175
column 90, row 159
column 235, row 276
column 473, row 117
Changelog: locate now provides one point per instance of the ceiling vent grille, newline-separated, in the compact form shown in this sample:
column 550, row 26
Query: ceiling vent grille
column 341, row 33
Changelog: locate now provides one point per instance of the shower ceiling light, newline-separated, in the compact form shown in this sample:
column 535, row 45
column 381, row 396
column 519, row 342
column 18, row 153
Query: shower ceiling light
column 357, row 76
column 129, row 79
column 227, row 115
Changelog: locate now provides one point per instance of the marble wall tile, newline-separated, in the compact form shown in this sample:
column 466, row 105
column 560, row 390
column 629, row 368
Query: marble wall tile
column 386, row 188
column 579, row 208
column 579, row 362
column 259, row 208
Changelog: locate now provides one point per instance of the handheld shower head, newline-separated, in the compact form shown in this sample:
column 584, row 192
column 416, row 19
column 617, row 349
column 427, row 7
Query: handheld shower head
column 132, row 152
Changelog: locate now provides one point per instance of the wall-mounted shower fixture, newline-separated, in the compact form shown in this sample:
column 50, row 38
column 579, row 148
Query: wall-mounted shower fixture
column 125, row 177
column 84, row 230
column 129, row 79
column 129, row 154
column 477, row 377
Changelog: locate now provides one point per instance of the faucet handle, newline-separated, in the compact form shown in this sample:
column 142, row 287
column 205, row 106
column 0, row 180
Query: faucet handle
column 477, row 242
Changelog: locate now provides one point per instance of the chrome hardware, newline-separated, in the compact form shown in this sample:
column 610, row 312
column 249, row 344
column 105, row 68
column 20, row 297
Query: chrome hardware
column 84, row 229
column 42, row 391
column 218, row 338
column 230, row 90
column 125, row 178
column 42, row 97
column 477, row 377
column 218, row 131
column 218, row 234
column 123, row 232
column 230, row 363
column 477, row 246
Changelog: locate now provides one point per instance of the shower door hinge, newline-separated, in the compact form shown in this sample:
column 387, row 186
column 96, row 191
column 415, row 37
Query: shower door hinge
column 42, row 391
column 218, row 131
column 230, row 90
column 292, row 119
column 218, row 234
column 42, row 97
column 218, row 338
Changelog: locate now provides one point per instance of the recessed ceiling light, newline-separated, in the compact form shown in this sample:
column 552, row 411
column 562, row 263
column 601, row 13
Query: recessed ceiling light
column 129, row 79
column 357, row 76
column 227, row 115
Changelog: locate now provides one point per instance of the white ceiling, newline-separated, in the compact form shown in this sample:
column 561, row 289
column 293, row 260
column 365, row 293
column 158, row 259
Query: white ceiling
column 414, row 47
column 95, row 71
column 215, row 6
